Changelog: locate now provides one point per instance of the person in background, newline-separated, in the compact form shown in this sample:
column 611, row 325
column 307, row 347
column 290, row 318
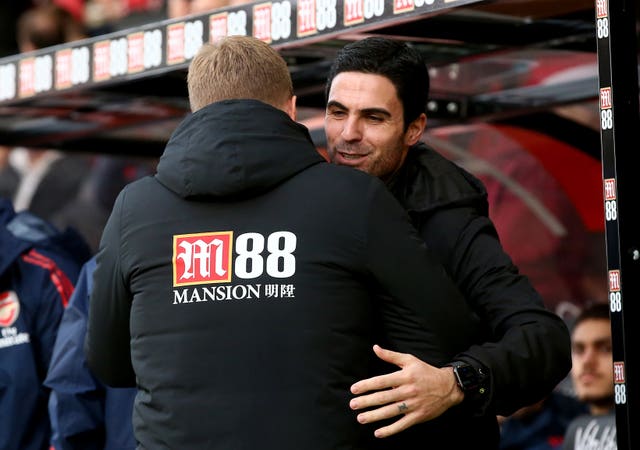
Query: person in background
column 38, row 269
column 49, row 179
column 242, row 287
column 89, row 209
column 376, row 92
column 67, row 189
column 46, row 25
column 592, row 376
column 85, row 414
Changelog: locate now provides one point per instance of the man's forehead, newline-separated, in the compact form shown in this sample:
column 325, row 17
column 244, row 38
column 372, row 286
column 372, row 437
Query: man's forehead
column 362, row 80
column 592, row 330
column 363, row 90
column 593, row 340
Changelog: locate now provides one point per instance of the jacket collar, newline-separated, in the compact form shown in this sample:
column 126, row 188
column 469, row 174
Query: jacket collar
column 427, row 182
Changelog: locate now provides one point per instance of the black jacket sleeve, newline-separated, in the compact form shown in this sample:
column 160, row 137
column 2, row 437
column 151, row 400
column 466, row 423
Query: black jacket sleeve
column 107, row 343
column 527, row 349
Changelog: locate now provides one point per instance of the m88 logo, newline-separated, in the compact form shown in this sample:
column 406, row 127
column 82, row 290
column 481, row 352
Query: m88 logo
column 204, row 258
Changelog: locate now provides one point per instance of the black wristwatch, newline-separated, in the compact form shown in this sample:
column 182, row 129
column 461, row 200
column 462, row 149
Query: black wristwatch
column 470, row 380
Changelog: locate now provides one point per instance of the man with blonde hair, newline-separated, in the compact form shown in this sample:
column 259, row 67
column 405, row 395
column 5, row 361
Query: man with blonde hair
column 215, row 75
column 243, row 286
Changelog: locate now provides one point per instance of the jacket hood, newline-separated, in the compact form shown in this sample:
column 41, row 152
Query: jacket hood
column 234, row 148
column 19, row 232
column 427, row 182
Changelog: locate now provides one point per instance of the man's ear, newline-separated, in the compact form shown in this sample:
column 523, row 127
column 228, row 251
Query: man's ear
column 290, row 107
column 415, row 130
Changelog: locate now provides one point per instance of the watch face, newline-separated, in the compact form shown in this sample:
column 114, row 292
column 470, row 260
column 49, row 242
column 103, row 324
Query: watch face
column 467, row 377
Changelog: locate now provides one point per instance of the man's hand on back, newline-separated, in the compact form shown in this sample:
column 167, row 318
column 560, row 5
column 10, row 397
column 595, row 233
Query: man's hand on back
column 418, row 391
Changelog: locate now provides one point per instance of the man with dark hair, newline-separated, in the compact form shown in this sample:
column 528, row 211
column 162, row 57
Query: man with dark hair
column 243, row 286
column 592, row 376
column 377, row 91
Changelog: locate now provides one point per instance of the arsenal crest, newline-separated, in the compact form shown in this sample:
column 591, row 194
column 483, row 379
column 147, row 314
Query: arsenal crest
column 9, row 308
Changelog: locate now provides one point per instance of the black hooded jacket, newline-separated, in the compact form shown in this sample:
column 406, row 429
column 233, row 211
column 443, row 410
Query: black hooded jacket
column 243, row 286
column 526, row 348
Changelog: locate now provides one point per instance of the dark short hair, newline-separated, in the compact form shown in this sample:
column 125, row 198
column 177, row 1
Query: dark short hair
column 598, row 310
column 398, row 61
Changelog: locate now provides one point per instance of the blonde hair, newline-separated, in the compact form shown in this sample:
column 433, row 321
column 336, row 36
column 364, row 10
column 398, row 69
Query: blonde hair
column 238, row 67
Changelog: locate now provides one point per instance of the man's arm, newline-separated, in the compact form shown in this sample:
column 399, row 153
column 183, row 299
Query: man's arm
column 107, row 344
column 525, row 355
column 528, row 349
column 76, row 402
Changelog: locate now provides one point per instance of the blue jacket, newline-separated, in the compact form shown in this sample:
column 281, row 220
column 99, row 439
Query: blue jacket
column 544, row 428
column 38, row 268
column 85, row 414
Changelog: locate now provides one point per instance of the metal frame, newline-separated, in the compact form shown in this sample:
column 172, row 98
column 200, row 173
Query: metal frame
column 619, row 126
